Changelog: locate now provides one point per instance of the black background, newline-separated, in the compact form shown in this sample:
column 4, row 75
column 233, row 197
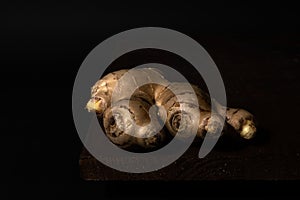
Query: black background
column 255, row 45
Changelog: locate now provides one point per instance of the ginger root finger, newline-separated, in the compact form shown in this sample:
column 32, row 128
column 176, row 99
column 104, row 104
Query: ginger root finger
column 182, row 109
column 119, row 125
column 242, row 121
column 102, row 90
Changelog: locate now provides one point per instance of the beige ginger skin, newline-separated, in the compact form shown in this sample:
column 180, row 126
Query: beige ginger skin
column 144, row 97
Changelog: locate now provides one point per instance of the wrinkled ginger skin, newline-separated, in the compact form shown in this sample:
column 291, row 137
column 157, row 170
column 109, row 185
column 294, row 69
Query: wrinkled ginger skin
column 101, row 93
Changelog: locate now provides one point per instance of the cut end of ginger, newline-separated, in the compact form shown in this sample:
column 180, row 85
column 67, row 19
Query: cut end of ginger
column 248, row 130
column 93, row 106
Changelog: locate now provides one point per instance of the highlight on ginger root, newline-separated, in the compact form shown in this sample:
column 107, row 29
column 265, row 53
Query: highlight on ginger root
column 178, row 113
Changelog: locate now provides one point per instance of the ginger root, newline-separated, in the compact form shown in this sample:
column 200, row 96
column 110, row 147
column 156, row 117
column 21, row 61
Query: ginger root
column 179, row 110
